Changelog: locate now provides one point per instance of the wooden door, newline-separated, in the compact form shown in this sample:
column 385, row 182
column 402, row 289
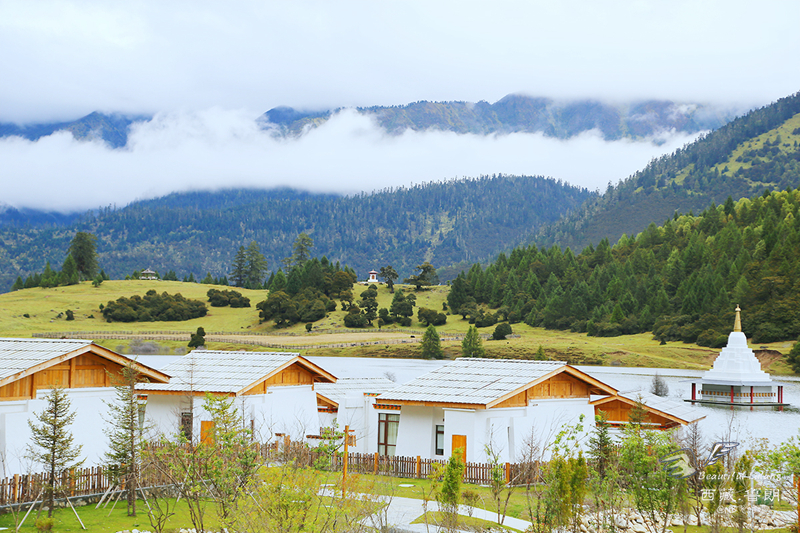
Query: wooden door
column 206, row 431
column 460, row 443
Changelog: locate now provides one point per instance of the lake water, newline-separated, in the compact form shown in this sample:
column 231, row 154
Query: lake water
column 720, row 422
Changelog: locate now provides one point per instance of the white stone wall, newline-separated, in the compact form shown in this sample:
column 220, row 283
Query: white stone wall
column 289, row 410
column 89, row 405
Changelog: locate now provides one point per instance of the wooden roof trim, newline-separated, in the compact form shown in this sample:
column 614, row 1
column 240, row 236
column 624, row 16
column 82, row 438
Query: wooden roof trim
column 428, row 403
column 196, row 393
column 299, row 359
column 574, row 372
column 628, row 401
column 325, row 401
column 94, row 349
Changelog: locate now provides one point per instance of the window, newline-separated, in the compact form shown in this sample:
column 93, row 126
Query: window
column 387, row 433
column 439, row 440
column 186, row 426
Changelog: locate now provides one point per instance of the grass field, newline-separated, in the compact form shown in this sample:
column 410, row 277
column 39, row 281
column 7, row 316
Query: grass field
column 44, row 305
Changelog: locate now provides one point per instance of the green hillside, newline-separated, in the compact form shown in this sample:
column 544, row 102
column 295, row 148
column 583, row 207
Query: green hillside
column 742, row 158
column 681, row 280
column 199, row 232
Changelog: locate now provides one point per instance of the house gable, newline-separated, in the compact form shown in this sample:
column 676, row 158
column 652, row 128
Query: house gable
column 297, row 372
column 617, row 410
column 562, row 383
column 88, row 366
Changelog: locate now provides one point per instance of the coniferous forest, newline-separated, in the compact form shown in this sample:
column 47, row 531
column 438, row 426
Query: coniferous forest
column 681, row 280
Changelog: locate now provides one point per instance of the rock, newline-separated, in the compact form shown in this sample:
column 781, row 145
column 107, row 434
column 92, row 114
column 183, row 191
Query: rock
column 676, row 521
column 639, row 528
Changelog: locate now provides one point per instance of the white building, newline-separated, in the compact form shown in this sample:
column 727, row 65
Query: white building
column 30, row 367
column 274, row 391
column 349, row 403
column 736, row 377
column 506, row 404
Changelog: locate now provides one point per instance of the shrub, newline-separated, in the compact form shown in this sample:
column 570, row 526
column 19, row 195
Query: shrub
column 501, row 331
column 70, row 315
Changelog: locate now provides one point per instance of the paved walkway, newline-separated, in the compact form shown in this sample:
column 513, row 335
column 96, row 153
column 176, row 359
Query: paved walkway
column 402, row 511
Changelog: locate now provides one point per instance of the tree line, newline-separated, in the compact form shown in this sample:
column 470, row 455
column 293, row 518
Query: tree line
column 681, row 280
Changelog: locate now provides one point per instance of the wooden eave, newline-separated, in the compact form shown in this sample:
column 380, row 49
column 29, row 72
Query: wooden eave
column 322, row 401
column 572, row 371
column 424, row 403
column 630, row 402
column 151, row 374
column 302, row 361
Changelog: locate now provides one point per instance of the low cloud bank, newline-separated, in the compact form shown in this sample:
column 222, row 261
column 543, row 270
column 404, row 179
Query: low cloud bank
column 218, row 148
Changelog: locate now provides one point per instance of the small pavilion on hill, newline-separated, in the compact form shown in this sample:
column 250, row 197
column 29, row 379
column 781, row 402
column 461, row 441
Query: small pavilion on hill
column 736, row 378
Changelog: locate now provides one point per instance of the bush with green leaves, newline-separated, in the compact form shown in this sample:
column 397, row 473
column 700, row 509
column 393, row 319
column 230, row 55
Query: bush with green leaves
column 501, row 331
column 223, row 298
column 154, row 307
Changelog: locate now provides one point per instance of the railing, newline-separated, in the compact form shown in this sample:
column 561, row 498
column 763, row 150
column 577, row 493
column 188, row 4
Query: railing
column 97, row 480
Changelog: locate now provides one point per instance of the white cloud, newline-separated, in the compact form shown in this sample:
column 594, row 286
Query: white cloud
column 217, row 148
column 65, row 59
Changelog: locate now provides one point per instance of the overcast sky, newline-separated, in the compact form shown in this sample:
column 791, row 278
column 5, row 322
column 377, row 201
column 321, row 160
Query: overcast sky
column 208, row 65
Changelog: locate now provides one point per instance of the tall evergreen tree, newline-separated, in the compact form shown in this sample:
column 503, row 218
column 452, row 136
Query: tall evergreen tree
column 431, row 344
column 52, row 441
column 472, row 345
column 239, row 268
column 255, row 266
column 124, row 431
column 83, row 250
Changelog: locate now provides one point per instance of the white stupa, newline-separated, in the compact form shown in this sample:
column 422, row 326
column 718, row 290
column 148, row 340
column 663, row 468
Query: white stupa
column 736, row 377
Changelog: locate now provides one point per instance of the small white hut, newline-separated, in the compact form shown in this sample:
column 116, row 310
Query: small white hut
column 373, row 276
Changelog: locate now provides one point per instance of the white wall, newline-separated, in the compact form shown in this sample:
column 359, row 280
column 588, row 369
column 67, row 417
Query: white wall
column 543, row 421
column 416, row 431
column 508, row 431
column 289, row 410
column 90, row 410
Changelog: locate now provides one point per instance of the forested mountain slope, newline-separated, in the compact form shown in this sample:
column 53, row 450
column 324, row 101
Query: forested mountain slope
column 520, row 113
column 441, row 222
column 681, row 280
column 112, row 128
column 742, row 158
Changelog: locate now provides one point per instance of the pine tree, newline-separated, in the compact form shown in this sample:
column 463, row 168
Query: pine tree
column 472, row 345
column 255, row 266
column 52, row 442
column 124, row 431
column 794, row 357
column 83, row 250
column 239, row 268
column 431, row 344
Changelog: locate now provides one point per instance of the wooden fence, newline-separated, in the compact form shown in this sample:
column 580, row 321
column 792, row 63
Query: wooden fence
column 97, row 480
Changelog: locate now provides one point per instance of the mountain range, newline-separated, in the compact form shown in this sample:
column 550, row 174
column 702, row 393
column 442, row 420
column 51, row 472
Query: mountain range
column 452, row 224
column 513, row 113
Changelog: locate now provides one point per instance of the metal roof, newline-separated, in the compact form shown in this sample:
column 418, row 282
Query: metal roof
column 350, row 387
column 18, row 355
column 472, row 381
column 222, row 371
column 676, row 408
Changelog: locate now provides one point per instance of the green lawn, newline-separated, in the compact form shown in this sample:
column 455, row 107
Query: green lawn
column 44, row 305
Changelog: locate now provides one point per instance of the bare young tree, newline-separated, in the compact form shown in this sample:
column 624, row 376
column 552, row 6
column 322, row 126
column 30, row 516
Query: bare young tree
column 658, row 386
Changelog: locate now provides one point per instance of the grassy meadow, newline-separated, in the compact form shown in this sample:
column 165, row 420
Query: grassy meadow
column 43, row 307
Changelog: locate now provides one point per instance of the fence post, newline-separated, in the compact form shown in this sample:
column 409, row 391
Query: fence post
column 15, row 489
column 376, row 463
column 508, row 473
column 419, row 467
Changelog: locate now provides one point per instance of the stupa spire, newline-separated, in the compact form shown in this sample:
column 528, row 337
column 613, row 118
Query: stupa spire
column 737, row 324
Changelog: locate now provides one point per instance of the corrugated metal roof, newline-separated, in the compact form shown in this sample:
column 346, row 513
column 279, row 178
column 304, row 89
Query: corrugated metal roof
column 219, row 371
column 17, row 355
column 472, row 381
column 350, row 387
column 670, row 406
